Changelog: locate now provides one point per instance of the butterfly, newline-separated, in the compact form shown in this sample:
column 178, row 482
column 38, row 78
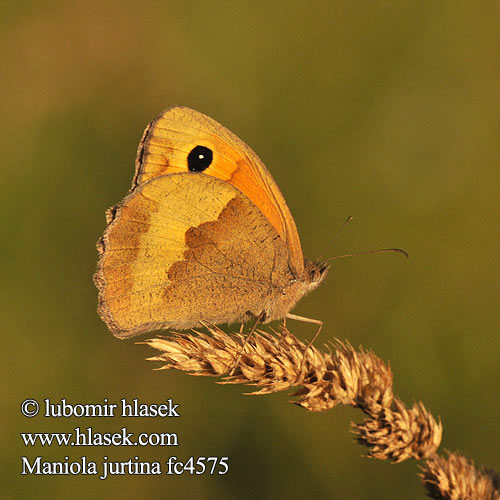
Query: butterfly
column 203, row 236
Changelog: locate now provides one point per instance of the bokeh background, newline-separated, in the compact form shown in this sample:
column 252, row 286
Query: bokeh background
column 386, row 111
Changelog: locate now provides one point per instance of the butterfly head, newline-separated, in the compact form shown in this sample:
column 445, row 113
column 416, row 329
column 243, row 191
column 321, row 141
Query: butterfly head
column 315, row 273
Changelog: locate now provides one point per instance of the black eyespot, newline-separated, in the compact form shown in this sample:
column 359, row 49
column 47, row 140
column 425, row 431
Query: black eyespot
column 199, row 159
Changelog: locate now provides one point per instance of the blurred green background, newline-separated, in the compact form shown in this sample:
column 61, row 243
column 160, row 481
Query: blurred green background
column 387, row 111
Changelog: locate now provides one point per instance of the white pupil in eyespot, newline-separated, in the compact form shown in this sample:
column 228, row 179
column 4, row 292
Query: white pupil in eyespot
column 200, row 157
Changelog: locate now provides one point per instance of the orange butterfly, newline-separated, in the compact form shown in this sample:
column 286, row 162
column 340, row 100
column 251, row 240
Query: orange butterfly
column 204, row 235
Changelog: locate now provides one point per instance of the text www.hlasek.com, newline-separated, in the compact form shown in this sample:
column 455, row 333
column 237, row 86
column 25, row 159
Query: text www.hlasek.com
column 89, row 437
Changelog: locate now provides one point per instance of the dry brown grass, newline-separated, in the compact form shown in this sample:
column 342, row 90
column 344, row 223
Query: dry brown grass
column 342, row 375
column 456, row 477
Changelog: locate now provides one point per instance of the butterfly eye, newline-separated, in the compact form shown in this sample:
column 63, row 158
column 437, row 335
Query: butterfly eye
column 199, row 159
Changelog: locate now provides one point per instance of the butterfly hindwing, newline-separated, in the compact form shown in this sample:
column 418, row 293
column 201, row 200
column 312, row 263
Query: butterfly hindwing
column 183, row 248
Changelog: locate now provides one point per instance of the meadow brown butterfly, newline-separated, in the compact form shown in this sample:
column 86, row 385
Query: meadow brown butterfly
column 204, row 235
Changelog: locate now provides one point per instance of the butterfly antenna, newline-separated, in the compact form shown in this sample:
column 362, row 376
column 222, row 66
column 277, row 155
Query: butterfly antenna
column 370, row 252
column 334, row 238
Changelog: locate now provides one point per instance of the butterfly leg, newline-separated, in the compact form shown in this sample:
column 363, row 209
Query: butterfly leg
column 283, row 328
column 247, row 338
column 311, row 342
